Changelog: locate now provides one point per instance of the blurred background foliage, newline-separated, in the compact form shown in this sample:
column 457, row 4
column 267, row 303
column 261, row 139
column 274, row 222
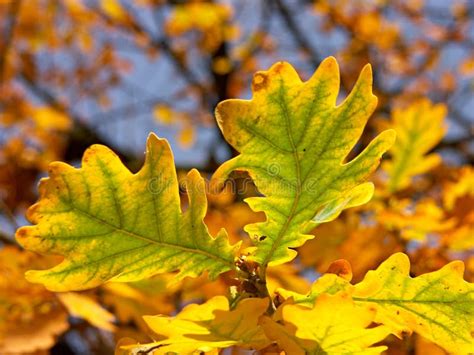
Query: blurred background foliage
column 74, row 73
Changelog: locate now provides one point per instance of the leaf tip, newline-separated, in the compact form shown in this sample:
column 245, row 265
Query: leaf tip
column 195, row 183
column 330, row 63
column 457, row 267
column 401, row 260
column 154, row 141
column 32, row 214
column 388, row 138
column 21, row 235
column 366, row 72
column 366, row 81
column 194, row 174
column 33, row 276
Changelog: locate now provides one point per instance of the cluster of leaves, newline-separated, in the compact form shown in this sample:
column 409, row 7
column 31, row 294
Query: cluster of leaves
column 62, row 62
column 61, row 66
column 300, row 150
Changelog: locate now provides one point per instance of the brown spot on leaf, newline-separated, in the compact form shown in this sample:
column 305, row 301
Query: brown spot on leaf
column 21, row 233
column 260, row 81
column 278, row 67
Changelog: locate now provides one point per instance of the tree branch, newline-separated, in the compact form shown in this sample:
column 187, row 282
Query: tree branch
column 315, row 58
column 8, row 35
column 81, row 135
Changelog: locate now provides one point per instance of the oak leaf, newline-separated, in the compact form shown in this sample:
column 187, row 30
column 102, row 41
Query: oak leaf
column 419, row 127
column 209, row 326
column 81, row 306
column 437, row 305
column 414, row 221
column 333, row 326
column 293, row 141
column 110, row 224
column 31, row 317
column 458, row 199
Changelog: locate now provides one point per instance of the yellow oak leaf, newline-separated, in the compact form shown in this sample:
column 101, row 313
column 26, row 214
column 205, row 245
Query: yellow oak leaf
column 31, row 317
column 464, row 186
column 34, row 336
column 163, row 114
column 460, row 238
column 438, row 305
column 84, row 307
column 458, row 199
column 414, row 221
column 293, row 141
column 207, row 327
column 326, row 284
column 348, row 238
column 110, row 224
column 49, row 118
column 419, row 127
column 286, row 276
column 130, row 301
column 333, row 326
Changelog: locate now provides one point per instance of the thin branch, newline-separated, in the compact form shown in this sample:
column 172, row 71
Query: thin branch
column 160, row 43
column 315, row 57
column 81, row 136
column 8, row 35
column 8, row 213
column 6, row 239
column 263, row 28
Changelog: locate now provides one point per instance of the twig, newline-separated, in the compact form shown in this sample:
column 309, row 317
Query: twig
column 160, row 43
column 8, row 213
column 6, row 239
column 8, row 35
column 82, row 136
column 315, row 58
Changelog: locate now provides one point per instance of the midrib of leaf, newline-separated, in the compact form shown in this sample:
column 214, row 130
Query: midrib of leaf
column 120, row 215
column 421, row 315
column 398, row 300
column 281, row 233
column 299, row 182
column 402, row 303
column 144, row 238
column 256, row 133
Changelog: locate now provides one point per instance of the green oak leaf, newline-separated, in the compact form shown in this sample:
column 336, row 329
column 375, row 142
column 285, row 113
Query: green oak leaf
column 293, row 141
column 110, row 224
